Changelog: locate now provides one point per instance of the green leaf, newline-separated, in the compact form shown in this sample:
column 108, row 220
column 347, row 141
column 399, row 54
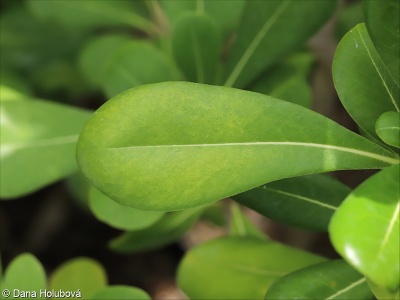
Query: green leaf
column 365, row 229
column 349, row 16
column 328, row 280
column 238, row 267
column 241, row 226
column 9, row 94
column 306, row 202
column 196, row 45
column 265, row 34
column 83, row 274
column 383, row 294
column 38, row 140
column 119, row 292
column 90, row 14
column 388, row 128
column 168, row 229
column 177, row 145
column 119, row 216
column 382, row 20
column 128, row 63
column 24, row 274
column 364, row 85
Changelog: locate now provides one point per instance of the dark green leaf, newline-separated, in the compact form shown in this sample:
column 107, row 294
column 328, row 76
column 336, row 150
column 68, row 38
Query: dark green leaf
column 119, row 216
column 167, row 230
column 328, row 280
column 83, row 274
column 265, row 34
column 177, row 145
column 119, row 292
column 362, row 81
column 38, row 140
column 196, row 44
column 24, row 273
column 306, row 202
column 349, row 16
column 238, row 267
column 365, row 229
column 388, row 128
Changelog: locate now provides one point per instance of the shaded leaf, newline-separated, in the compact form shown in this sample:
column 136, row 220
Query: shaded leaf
column 349, row 16
column 383, row 294
column 38, row 140
column 24, row 273
column 388, row 128
column 84, row 274
column 306, row 202
column 119, row 292
column 196, row 45
column 9, row 94
column 177, row 145
column 241, row 225
column 356, row 65
column 238, row 267
column 265, row 34
column 365, row 229
column 328, row 280
column 119, row 216
column 167, row 230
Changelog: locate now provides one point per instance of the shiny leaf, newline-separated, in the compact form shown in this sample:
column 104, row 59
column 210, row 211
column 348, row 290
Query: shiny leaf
column 365, row 229
column 177, row 145
column 388, row 128
column 238, row 267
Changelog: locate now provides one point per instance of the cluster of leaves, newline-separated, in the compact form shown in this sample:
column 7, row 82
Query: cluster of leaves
column 159, row 155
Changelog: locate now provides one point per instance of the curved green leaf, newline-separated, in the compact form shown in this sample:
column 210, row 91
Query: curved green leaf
column 240, row 225
column 382, row 20
column 38, row 140
column 265, row 34
column 328, row 280
column 119, row 292
column 24, row 273
column 167, row 230
column 178, row 145
column 383, row 294
column 83, row 274
column 306, row 202
column 365, row 229
column 362, row 81
column 196, row 45
column 238, row 267
column 119, row 216
column 388, row 128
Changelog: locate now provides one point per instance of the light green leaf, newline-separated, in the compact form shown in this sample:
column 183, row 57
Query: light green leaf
column 365, row 229
column 328, row 280
column 383, row 294
column 388, row 128
column 382, row 20
column 306, row 202
column 265, row 34
column 90, row 14
column 9, row 94
column 177, row 145
column 167, row 230
column 15, row 82
column 238, row 267
column 38, row 140
column 24, row 273
column 196, row 45
column 83, row 274
column 240, row 225
column 362, row 81
column 119, row 216
column 119, row 292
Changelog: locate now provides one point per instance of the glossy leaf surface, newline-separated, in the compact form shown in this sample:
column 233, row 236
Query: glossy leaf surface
column 167, row 230
column 265, row 34
column 328, row 280
column 365, row 229
column 382, row 21
column 238, row 267
column 38, row 140
column 178, row 145
column 388, row 128
column 356, row 65
column 119, row 216
column 24, row 273
column 196, row 45
column 306, row 202
column 119, row 292
column 83, row 274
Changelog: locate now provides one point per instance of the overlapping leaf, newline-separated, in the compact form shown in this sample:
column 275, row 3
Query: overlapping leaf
column 388, row 128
